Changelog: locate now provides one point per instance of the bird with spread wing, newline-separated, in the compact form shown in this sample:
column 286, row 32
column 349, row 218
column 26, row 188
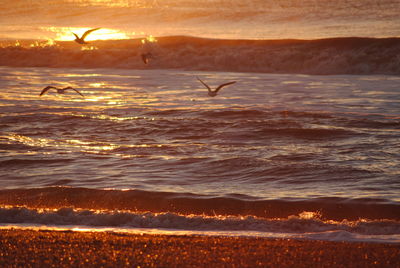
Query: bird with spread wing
column 81, row 40
column 213, row 93
column 59, row 90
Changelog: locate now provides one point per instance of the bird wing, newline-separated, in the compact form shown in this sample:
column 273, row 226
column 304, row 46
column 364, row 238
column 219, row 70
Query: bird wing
column 88, row 32
column 74, row 90
column 76, row 36
column 209, row 89
column 226, row 84
column 46, row 89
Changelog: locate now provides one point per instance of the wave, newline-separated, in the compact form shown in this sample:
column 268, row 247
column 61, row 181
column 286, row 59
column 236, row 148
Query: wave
column 25, row 162
column 263, row 124
column 306, row 223
column 351, row 55
column 330, row 208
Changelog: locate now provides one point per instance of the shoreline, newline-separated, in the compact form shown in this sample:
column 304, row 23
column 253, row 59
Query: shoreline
column 39, row 248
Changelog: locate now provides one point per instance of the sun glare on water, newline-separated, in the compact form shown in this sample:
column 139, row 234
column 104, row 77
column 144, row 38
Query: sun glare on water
column 149, row 39
column 66, row 33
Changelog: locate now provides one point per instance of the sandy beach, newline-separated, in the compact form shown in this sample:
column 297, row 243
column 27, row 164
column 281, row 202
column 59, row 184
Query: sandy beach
column 29, row 248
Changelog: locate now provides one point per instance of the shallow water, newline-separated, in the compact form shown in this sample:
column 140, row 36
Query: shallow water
column 158, row 130
column 292, row 142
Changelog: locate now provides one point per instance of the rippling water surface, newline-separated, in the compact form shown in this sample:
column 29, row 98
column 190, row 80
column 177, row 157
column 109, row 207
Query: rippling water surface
column 267, row 136
column 304, row 144
column 271, row 145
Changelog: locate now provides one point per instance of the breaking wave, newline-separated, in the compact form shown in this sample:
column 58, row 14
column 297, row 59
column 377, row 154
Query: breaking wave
column 306, row 224
column 350, row 55
column 333, row 208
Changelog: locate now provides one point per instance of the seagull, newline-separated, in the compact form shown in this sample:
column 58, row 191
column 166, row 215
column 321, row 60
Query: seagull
column 81, row 40
column 214, row 93
column 59, row 90
column 146, row 57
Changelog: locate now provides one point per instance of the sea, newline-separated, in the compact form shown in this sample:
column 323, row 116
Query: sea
column 305, row 144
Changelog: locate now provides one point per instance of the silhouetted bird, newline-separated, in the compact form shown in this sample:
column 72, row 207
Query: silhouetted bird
column 146, row 57
column 214, row 93
column 59, row 90
column 81, row 40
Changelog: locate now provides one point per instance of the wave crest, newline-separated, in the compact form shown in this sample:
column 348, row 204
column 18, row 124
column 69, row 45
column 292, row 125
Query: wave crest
column 350, row 55
column 292, row 224
column 185, row 203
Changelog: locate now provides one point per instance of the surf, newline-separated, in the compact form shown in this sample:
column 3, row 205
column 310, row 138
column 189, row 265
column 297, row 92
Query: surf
column 330, row 56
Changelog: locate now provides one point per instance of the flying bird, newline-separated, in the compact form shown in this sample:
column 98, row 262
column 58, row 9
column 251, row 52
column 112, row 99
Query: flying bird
column 59, row 90
column 212, row 93
column 146, row 57
column 81, row 40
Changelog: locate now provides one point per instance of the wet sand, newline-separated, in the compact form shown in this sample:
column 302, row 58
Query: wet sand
column 29, row 248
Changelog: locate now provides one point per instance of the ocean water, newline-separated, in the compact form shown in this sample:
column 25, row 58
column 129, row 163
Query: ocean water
column 305, row 144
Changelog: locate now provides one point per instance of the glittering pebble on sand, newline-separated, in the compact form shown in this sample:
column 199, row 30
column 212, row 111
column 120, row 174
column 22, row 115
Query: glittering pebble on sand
column 81, row 40
column 59, row 90
column 212, row 93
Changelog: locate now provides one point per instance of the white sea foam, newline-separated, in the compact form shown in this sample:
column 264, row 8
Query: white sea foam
column 170, row 223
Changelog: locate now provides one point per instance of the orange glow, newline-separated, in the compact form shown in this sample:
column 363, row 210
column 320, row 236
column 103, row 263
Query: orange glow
column 89, row 48
column 119, row 3
column 47, row 43
column 149, row 39
column 65, row 33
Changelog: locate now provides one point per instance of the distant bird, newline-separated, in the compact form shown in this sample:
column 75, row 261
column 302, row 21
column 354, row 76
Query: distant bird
column 212, row 93
column 59, row 90
column 146, row 57
column 81, row 40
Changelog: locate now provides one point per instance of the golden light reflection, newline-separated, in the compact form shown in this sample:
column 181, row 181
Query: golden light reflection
column 308, row 215
column 101, row 84
column 87, row 146
column 149, row 39
column 110, row 117
column 41, row 44
column 78, row 75
column 89, row 48
column 92, row 146
column 110, row 99
column 115, row 118
column 97, row 98
column 66, row 33
column 27, row 140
